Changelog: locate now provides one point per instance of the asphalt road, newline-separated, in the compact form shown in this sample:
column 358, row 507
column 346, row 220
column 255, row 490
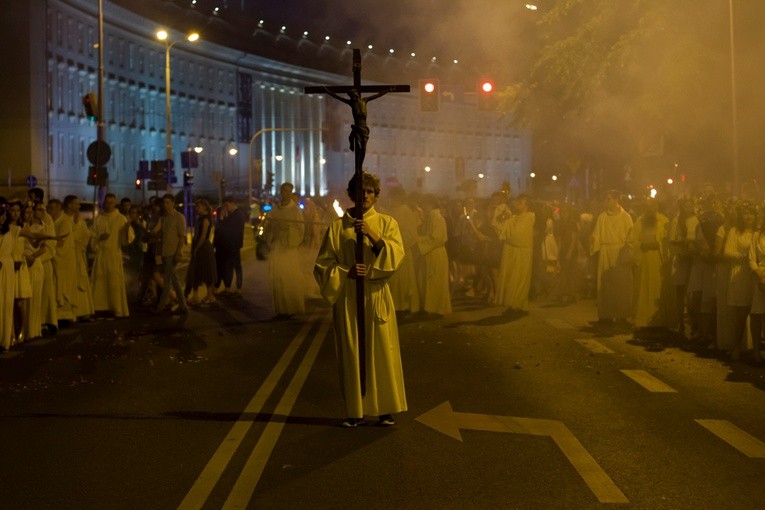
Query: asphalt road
column 227, row 408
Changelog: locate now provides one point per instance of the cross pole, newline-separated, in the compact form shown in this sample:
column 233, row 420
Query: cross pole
column 358, row 139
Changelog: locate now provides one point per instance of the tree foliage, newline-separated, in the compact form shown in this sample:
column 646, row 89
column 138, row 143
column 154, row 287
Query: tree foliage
column 628, row 81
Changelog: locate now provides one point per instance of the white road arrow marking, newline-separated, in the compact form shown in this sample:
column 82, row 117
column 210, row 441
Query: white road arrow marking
column 446, row 421
column 594, row 346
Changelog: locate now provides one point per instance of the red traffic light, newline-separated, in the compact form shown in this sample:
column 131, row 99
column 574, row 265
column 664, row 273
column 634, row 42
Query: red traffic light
column 485, row 94
column 429, row 95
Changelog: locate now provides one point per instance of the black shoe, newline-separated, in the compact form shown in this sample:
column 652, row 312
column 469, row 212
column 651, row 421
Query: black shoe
column 386, row 420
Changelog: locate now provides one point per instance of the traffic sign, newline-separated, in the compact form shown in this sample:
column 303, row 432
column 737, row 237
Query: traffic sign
column 99, row 153
column 31, row 181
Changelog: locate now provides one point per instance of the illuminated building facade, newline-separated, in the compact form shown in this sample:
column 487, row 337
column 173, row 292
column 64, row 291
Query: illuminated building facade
column 221, row 98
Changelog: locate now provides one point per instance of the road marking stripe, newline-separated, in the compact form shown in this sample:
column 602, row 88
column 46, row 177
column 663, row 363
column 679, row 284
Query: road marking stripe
column 648, row 381
column 594, row 346
column 250, row 476
column 734, row 436
column 212, row 472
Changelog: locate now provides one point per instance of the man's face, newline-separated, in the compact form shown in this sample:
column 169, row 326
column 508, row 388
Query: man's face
column 229, row 206
column 168, row 205
column 54, row 209
column 110, row 203
column 14, row 213
column 74, row 206
column 370, row 198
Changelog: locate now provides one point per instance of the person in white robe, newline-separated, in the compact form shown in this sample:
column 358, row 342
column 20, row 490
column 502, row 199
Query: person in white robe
column 82, row 305
column 403, row 283
column 64, row 262
column 335, row 271
column 648, row 241
column 757, row 313
column 516, row 231
column 23, row 284
column 615, row 261
column 285, row 231
column 742, row 279
column 110, row 234
column 431, row 245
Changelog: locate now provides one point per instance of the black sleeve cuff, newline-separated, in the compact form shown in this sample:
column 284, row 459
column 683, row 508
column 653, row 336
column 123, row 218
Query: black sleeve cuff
column 378, row 247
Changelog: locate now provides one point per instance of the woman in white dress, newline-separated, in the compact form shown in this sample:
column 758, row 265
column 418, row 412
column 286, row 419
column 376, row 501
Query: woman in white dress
column 8, row 235
column 33, row 221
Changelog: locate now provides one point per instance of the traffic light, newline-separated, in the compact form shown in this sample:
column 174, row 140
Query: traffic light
column 97, row 176
column 269, row 181
column 90, row 103
column 188, row 179
column 138, row 184
column 485, row 95
column 430, row 94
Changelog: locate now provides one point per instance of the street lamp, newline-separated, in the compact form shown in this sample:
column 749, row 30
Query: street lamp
column 163, row 36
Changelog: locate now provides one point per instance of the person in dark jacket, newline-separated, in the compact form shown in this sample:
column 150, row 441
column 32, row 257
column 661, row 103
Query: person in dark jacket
column 228, row 241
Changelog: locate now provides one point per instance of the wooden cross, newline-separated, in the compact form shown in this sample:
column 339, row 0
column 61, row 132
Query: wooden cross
column 358, row 144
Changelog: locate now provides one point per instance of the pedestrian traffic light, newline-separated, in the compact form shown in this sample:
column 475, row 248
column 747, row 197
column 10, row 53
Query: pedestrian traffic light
column 90, row 103
column 429, row 95
column 269, row 181
column 138, row 184
column 188, row 179
column 485, row 97
column 97, row 176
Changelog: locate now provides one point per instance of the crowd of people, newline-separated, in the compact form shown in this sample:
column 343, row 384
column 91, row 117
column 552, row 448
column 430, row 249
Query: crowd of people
column 695, row 266
column 59, row 268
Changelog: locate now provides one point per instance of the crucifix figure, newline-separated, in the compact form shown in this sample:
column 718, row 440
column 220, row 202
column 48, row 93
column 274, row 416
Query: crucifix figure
column 359, row 130
column 358, row 139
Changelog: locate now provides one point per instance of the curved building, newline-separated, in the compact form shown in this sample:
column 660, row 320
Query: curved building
column 243, row 108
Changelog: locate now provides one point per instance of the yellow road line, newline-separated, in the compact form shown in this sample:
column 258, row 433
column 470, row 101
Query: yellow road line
column 250, row 476
column 212, row 472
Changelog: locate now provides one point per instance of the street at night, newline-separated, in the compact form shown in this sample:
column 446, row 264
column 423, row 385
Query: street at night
column 226, row 408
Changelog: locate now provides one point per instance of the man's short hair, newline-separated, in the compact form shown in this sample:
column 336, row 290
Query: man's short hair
column 37, row 193
column 229, row 199
column 53, row 201
column 169, row 196
column 367, row 180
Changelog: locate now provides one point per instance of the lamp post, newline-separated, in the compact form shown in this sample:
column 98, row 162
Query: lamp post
column 163, row 36
column 734, row 107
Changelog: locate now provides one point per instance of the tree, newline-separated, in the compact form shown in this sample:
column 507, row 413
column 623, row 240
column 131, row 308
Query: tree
column 635, row 82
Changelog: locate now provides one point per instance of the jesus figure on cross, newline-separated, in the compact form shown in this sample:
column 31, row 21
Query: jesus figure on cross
column 359, row 130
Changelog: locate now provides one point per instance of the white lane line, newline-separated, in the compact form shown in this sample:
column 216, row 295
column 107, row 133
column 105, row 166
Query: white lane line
column 212, row 472
column 594, row 346
column 734, row 436
column 250, row 476
column 648, row 381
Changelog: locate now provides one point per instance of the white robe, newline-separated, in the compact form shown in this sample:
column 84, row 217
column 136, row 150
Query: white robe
column 49, row 305
column 7, row 285
column 384, row 374
column 436, row 297
column 65, row 268
column 403, row 283
column 649, row 275
column 286, row 229
column 83, row 298
column 615, row 263
column 108, row 273
column 33, row 319
column 514, row 279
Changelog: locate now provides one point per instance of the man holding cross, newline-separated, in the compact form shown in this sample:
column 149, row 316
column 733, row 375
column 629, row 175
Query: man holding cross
column 335, row 270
